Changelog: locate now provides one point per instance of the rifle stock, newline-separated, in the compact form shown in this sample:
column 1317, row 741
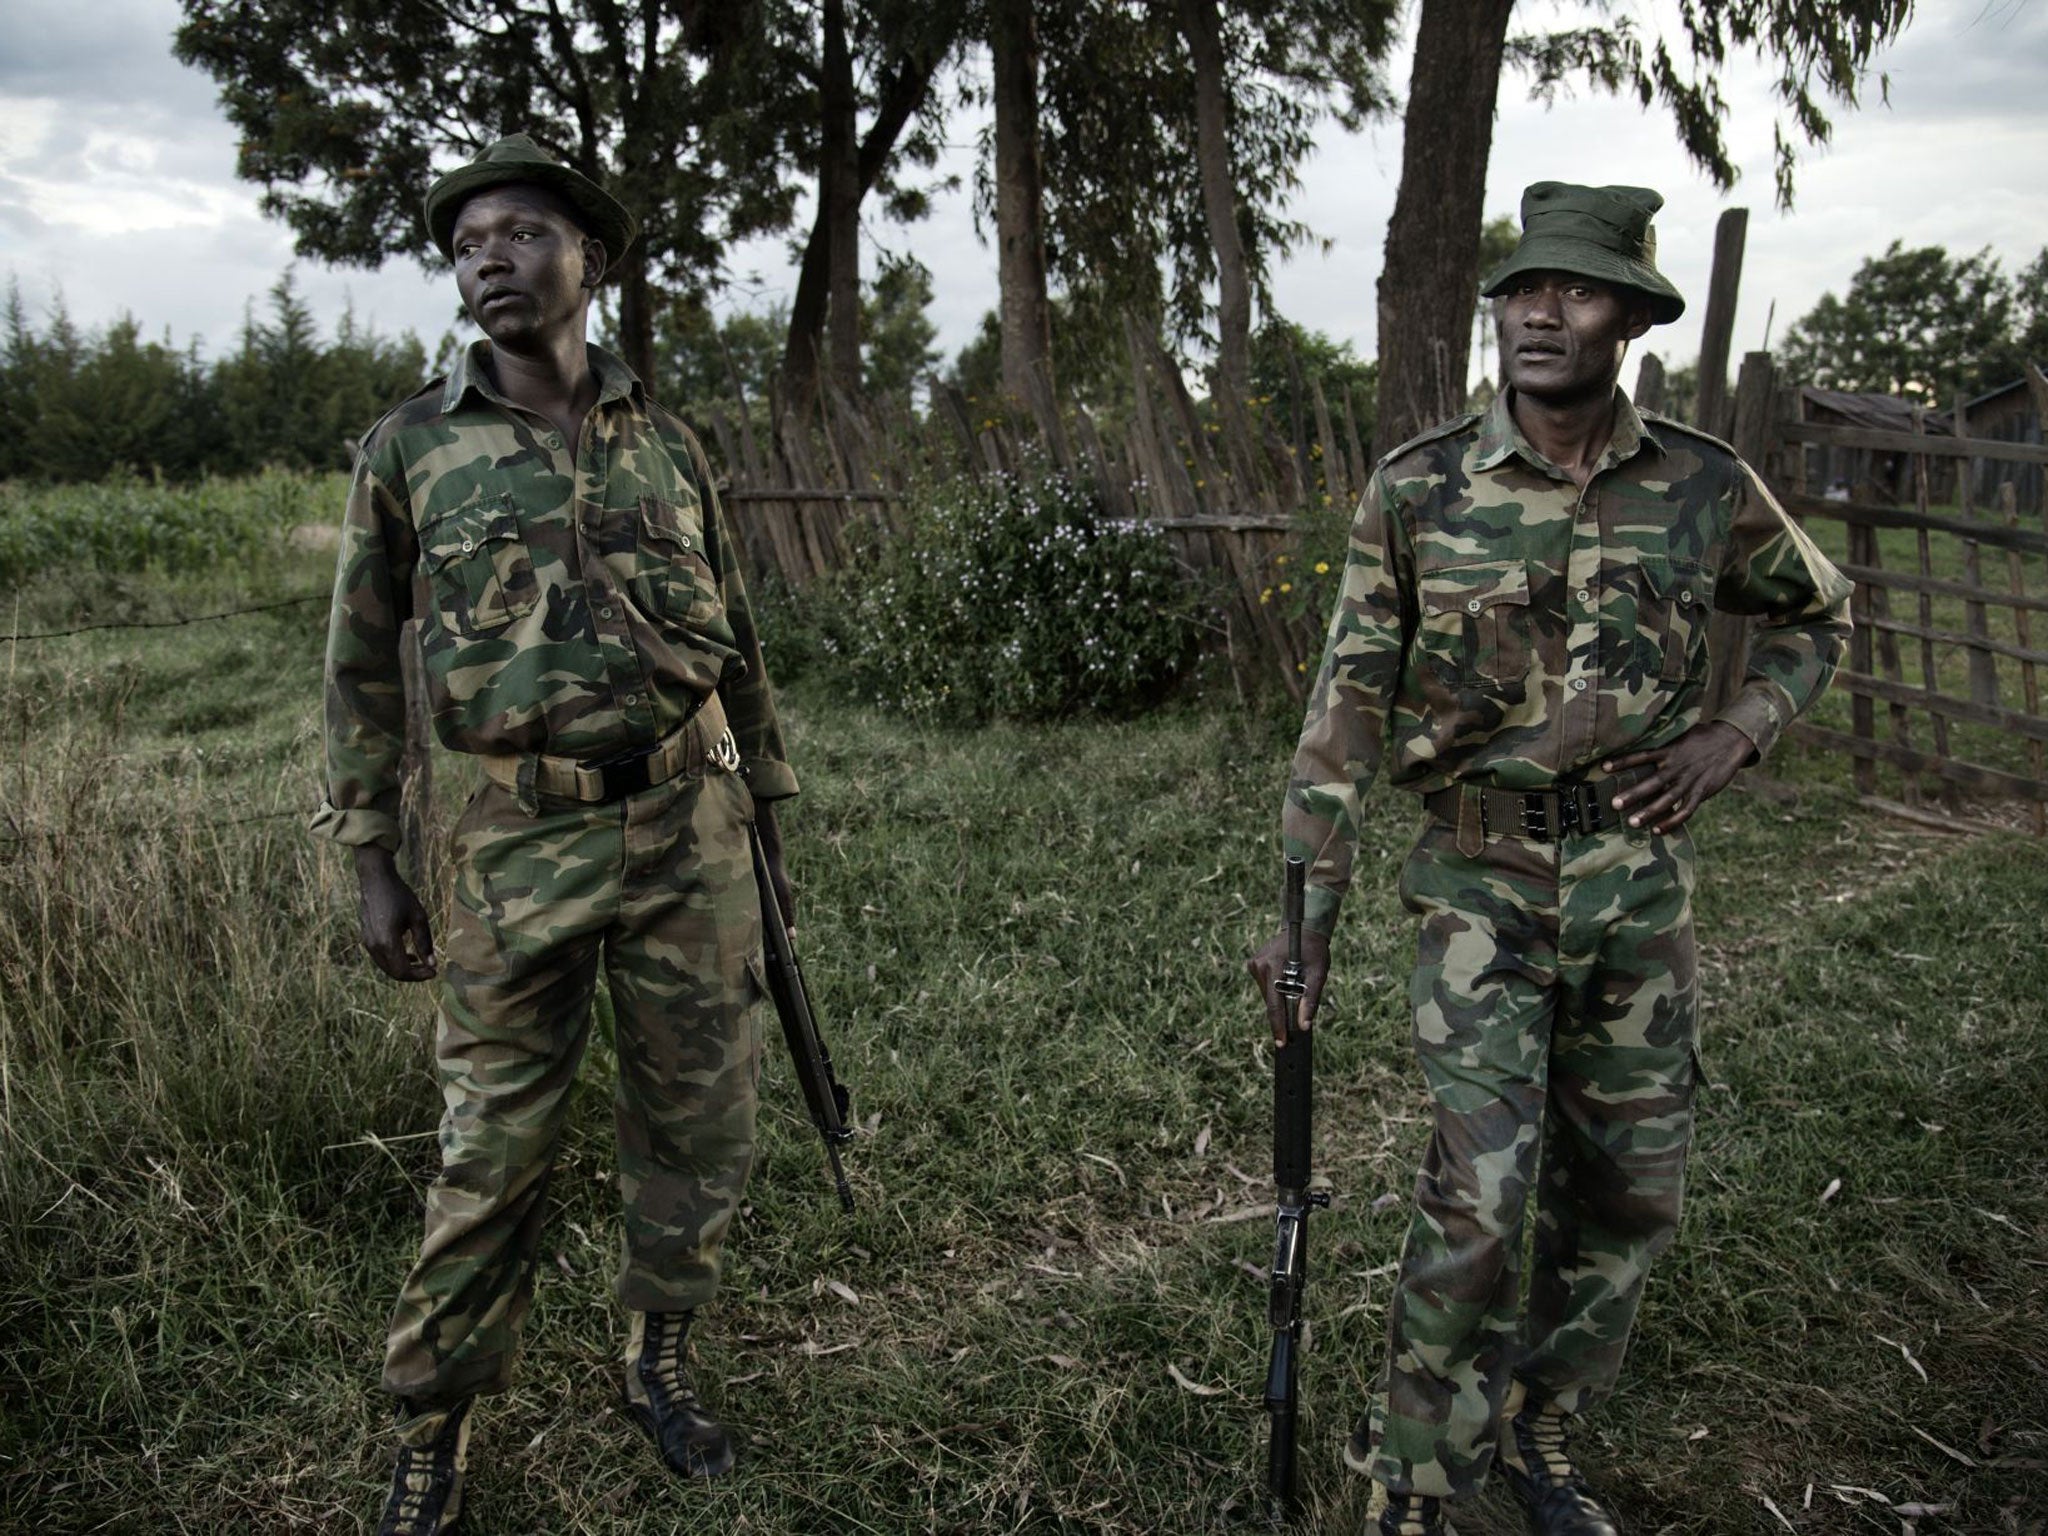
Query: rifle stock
column 823, row 1096
column 1293, row 1096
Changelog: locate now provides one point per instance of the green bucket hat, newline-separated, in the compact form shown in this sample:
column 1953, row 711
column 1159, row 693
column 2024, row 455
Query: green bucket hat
column 517, row 159
column 1601, row 232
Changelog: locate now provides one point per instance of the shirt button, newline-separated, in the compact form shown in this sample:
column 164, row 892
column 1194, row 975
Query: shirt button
column 1471, row 607
column 552, row 440
column 604, row 613
column 632, row 699
column 686, row 541
column 469, row 546
column 1585, row 595
column 1685, row 597
column 1578, row 685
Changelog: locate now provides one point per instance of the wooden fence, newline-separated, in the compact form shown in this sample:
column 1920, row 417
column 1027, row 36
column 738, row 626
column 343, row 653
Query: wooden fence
column 1944, row 675
column 1938, row 704
column 1226, row 481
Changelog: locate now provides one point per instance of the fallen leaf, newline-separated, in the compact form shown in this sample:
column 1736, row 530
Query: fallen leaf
column 1907, row 1353
column 816, row 1350
column 741, row 1381
column 1946, row 1450
column 1064, row 1362
column 1699, row 1434
column 1201, row 1141
column 1773, row 1508
column 1834, row 1188
column 1196, row 1387
column 1240, row 1213
column 1385, row 1202
column 844, row 1292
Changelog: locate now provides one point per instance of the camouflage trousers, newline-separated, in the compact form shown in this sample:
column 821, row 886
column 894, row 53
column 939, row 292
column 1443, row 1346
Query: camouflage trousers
column 659, row 889
column 1555, row 1013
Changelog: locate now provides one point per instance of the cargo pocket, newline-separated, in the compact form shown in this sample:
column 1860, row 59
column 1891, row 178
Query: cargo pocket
column 479, row 566
column 681, row 584
column 1673, row 615
column 1475, row 620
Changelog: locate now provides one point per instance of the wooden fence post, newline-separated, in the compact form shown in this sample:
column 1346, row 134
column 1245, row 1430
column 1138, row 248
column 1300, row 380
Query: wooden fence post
column 1728, row 633
column 1710, row 412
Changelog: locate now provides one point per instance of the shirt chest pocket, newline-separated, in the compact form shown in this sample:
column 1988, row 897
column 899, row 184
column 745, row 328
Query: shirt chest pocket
column 1672, row 610
column 671, row 564
column 479, row 567
column 1474, row 621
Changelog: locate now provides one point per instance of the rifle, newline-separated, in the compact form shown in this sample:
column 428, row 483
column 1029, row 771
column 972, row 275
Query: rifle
column 1293, row 1081
column 822, row 1094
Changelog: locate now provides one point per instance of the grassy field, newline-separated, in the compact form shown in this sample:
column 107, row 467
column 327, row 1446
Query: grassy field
column 1026, row 949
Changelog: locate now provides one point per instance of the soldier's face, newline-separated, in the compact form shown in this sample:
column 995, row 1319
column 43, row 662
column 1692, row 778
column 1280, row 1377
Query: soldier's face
column 1562, row 336
column 525, row 270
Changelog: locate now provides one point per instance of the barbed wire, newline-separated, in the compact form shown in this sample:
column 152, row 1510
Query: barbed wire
column 197, row 618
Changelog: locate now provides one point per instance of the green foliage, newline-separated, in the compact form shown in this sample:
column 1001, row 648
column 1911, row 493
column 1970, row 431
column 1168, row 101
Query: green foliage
column 1125, row 222
column 1922, row 322
column 896, row 327
column 1009, row 597
column 1822, row 52
column 76, row 406
column 1289, row 359
column 128, row 524
column 692, row 349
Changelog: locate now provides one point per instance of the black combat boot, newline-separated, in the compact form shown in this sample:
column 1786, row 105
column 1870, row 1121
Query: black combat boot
column 1538, row 1467
column 1409, row 1514
column 658, row 1392
column 426, row 1485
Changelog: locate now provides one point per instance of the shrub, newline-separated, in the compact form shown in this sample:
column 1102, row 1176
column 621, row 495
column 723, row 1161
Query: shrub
column 1009, row 597
column 126, row 524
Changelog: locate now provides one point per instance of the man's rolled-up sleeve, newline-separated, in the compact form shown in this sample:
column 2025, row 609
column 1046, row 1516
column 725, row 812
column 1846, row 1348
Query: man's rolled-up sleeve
column 365, row 688
column 1344, row 736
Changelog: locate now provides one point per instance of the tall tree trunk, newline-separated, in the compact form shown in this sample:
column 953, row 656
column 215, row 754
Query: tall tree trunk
column 1202, row 25
column 803, row 346
column 839, row 190
column 636, row 316
column 1432, row 264
column 1020, row 196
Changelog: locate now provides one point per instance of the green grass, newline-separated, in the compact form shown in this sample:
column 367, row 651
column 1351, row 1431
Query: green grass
column 1025, row 948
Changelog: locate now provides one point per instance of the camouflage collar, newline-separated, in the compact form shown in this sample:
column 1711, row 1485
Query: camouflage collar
column 1499, row 437
column 615, row 381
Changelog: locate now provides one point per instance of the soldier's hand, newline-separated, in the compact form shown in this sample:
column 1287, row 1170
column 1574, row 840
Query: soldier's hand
column 1266, row 967
column 1688, row 772
column 395, row 928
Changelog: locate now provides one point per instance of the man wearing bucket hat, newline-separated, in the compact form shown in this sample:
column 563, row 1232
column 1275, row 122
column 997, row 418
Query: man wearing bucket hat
column 1520, row 638
column 587, row 635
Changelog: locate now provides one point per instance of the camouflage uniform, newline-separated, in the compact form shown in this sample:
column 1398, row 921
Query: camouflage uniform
column 1498, row 627
column 585, row 605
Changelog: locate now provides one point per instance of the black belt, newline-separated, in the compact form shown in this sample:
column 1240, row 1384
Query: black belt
column 626, row 774
column 1539, row 815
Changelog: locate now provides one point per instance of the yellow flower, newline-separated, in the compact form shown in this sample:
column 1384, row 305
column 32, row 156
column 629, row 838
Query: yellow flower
column 1286, row 586
column 1266, row 596
column 1322, row 567
column 1301, row 666
column 1279, row 559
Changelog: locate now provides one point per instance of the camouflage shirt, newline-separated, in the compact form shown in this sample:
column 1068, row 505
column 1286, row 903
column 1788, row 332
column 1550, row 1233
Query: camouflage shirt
column 577, row 604
column 1498, row 625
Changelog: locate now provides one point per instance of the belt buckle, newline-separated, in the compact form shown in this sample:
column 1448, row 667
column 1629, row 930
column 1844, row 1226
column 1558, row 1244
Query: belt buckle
column 726, row 752
column 1570, row 812
column 627, row 778
column 1535, row 820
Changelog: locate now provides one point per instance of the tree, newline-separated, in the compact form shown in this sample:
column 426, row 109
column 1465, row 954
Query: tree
column 1919, row 322
column 898, row 48
column 1497, row 241
column 1023, row 310
column 1461, row 45
column 1170, row 137
column 345, row 105
column 899, row 327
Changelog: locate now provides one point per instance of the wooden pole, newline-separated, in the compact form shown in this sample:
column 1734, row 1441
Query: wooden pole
column 1710, row 414
column 1728, row 633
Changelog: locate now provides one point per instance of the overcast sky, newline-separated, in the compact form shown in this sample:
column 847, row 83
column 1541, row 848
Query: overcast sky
column 117, row 184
